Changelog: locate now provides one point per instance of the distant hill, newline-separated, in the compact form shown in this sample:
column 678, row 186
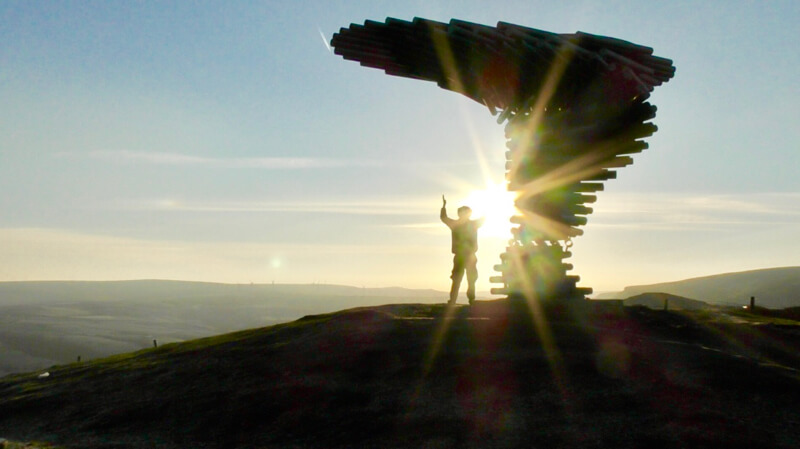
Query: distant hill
column 656, row 301
column 415, row 375
column 774, row 288
column 45, row 323
column 49, row 292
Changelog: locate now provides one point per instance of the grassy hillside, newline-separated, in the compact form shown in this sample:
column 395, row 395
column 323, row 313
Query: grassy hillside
column 659, row 300
column 774, row 288
column 44, row 323
column 50, row 292
column 416, row 375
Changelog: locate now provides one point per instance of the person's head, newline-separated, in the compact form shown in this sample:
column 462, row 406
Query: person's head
column 464, row 212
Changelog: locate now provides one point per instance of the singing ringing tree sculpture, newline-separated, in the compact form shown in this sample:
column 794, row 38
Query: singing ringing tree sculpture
column 574, row 106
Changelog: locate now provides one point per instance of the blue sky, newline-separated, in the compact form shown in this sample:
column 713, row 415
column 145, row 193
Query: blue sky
column 223, row 141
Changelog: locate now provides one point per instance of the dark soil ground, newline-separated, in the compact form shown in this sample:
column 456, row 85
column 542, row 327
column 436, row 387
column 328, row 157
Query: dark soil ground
column 400, row 376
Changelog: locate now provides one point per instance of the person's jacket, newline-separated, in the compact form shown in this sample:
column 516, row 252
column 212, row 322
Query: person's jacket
column 464, row 233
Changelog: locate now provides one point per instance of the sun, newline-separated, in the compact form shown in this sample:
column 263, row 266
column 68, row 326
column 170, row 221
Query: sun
column 496, row 205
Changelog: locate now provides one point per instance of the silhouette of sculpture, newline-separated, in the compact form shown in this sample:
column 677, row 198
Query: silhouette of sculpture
column 464, row 236
column 575, row 108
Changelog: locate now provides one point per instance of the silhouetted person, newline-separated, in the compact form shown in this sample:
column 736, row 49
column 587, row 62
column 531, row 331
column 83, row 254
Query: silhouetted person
column 464, row 246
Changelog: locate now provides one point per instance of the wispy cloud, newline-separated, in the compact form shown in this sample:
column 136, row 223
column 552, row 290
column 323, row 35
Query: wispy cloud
column 351, row 207
column 429, row 225
column 662, row 212
column 680, row 212
column 42, row 253
column 434, row 167
column 178, row 159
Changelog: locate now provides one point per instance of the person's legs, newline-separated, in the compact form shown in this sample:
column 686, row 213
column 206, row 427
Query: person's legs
column 456, row 276
column 472, row 276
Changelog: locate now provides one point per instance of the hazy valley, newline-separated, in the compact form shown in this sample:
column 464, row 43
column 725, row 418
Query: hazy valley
column 774, row 288
column 47, row 323
column 493, row 375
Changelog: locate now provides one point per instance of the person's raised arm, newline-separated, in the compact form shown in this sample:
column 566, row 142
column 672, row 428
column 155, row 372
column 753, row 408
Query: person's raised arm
column 443, row 213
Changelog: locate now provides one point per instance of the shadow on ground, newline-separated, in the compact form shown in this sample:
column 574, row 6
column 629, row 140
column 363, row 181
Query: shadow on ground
column 419, row 375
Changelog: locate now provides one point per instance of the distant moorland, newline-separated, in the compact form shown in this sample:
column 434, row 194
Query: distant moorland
column 45, row 323
column 494, row 375
column 54, row 322
column 774, row 288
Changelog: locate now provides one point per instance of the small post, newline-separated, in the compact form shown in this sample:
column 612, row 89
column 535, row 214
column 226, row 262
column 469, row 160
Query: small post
column 752, row 303
column 666, row 304
column 79, row 359
column 155, row 343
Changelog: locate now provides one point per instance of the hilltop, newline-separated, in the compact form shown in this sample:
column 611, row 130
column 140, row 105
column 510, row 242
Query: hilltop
column 421, row 375
column 658, row 301
column 44, row 323
column 774, row 288
column 55, row 292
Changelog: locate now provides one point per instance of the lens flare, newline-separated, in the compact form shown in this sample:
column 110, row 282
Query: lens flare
column 496, row 205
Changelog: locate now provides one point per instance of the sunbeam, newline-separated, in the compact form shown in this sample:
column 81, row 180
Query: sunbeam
column 496, row 205
column 325, row 40
column 539, row 271
column 540, row 324
column 438, row 339
column 433, row 350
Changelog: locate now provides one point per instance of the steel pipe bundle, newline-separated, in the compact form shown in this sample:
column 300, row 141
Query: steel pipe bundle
column 575, row 110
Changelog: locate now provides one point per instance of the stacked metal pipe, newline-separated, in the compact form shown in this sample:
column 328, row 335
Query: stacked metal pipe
column 575, row 110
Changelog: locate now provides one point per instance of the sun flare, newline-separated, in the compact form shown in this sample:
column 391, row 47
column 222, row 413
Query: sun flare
column 496, row 205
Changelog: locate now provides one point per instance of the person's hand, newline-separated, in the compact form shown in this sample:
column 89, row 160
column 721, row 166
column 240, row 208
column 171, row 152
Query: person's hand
column 444, row 201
